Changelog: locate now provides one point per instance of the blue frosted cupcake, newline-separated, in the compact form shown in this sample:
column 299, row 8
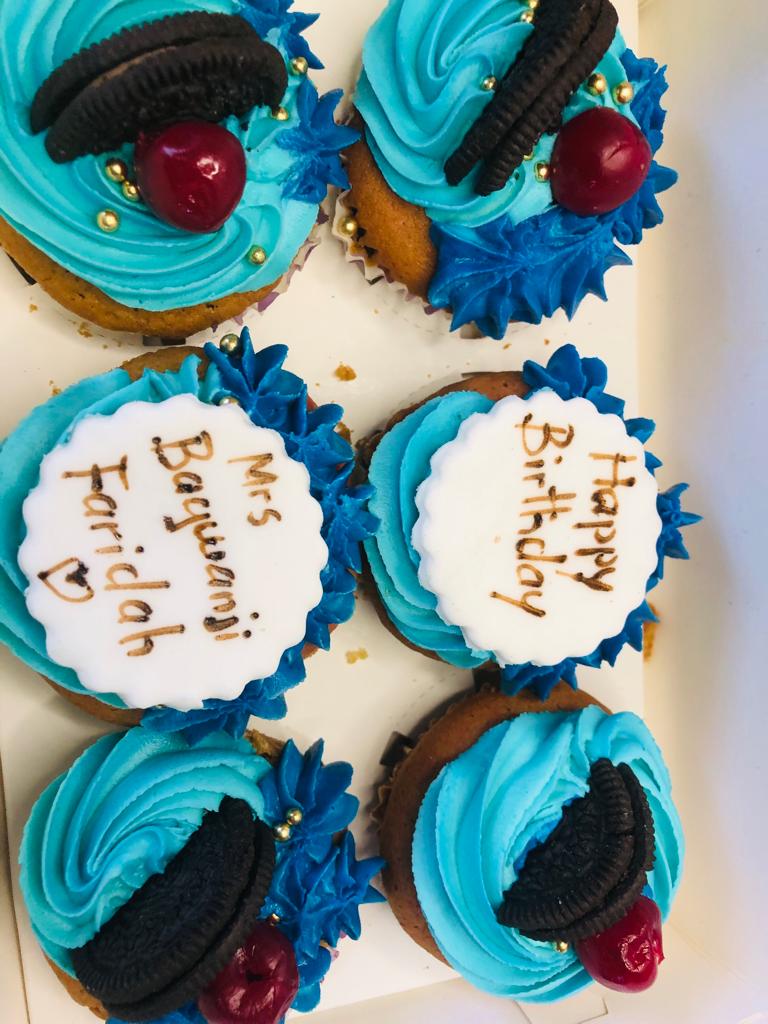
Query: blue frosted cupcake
column 161, row 169
column 189, row 884
column 508, row 155
column 534, row 847
column 177, row 536
column 521, row 523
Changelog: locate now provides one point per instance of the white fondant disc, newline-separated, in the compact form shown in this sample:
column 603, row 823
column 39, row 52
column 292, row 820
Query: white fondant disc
column 537, row 529
column 173, row 552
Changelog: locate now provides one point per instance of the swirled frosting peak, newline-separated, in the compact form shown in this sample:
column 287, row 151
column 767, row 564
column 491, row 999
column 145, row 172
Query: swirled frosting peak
column 118, row 816
column 495, row 802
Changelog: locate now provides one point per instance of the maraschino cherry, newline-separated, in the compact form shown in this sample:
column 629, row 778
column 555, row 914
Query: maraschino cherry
column 191, row 174
column 626, row 957
column 258, row 985
column 600, row 160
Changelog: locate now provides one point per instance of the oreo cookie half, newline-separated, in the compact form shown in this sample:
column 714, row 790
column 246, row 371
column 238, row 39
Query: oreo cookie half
column 186, row 66
column 593, row 866
column 570, row 38
column 175, row 934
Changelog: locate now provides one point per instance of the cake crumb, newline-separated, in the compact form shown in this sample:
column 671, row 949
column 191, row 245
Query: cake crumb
column 547, row 341
column 84, row 330
column 345, row 432
column 506, row 345
column 344, row 372
column 32, row 307
column 649, row 635
column 54, row 389
column 497, row 539
column 359, row 655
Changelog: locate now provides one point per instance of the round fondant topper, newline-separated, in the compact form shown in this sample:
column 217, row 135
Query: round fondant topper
column 556, row 518
column 173, row 552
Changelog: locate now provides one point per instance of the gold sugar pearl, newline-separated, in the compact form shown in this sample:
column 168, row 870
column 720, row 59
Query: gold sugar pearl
column 108, row 221
column 273, row 919
column 131, row 192
column 282, row 832
column 624, row 93
column 257, row 255
column 299, row 66
column 294, row 816
column 489, row 84
column 597, row 84
column 533, row 4
column 280, row 114
column 116, row 170
column 229, row 400
column 542, row 171
column 527, row 16
column 349, row 226
column 561, row 946
column 229, row 344
column 528, row 156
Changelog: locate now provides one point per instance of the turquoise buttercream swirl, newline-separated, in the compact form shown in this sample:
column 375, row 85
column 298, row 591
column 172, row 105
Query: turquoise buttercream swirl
column 273, row 398
column 420, row 91
column 490, row 806
column 402, row 461
column 146, row 263
column 124, row 809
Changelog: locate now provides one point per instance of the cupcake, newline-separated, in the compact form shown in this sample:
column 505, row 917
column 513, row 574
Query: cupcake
column 534, row 847
column 507, row 156
column 521, row 523
column 211, row 883
column 161, row 170
column 178, row 535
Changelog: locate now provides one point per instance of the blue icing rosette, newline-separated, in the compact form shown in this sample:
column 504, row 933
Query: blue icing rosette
column 272, row 397
column 91, row 843
column 147, row 263
column 514, row 253
column 403, row 460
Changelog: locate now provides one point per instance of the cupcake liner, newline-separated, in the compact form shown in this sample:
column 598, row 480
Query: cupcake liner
column 364, row 260
column 361, row 257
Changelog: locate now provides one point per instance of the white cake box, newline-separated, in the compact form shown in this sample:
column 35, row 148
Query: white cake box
column 684, row 334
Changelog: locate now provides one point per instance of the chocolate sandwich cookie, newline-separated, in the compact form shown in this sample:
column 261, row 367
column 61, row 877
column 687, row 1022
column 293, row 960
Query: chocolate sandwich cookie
column 567, row 42
column 521, row 846
column 224, row 876
column 501, row 180
column 162, row 948
column 185, row 66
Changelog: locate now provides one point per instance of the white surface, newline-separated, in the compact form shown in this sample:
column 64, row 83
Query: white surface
column 151, row 618
column 557, row 518
column 330, row 316
column 704, row 329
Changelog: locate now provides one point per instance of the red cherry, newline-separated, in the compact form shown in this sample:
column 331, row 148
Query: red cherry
column 258, row 985
column 191, row 174
column 626, row 957
column 599, row 161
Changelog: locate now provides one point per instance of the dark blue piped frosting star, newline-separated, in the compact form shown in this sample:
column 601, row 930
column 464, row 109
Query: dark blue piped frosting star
column 268, row 15
column 277, row 399
column 316, row 145
column 570, row 376
column 500, row 272
column 318, row 884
